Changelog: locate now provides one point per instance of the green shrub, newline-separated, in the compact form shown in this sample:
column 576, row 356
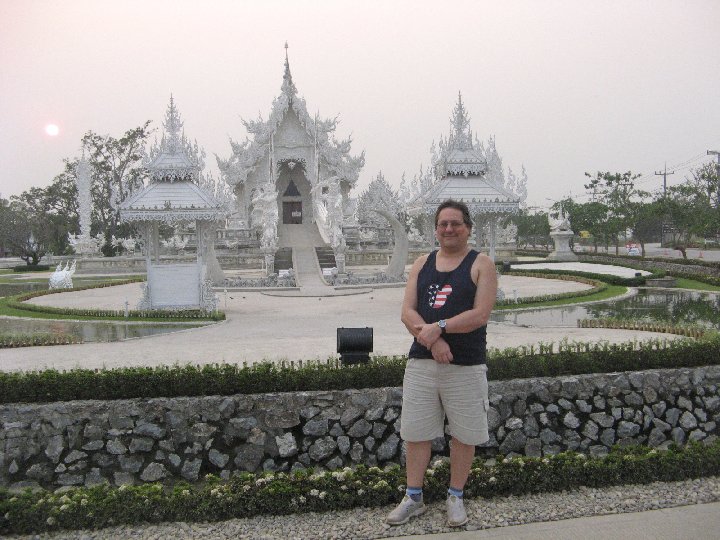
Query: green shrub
column 31, row 268
column 8, row 341
column 248, row 495
column 545, row 360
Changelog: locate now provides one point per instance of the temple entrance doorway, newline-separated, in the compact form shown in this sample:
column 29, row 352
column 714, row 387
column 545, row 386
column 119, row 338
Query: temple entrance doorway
column 292, row 212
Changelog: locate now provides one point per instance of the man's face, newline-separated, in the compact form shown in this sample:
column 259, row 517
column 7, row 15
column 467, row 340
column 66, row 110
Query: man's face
column 451, row 230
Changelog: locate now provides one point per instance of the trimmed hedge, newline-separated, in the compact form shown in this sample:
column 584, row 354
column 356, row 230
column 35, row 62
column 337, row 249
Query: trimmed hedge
column 20, row 302
column 614, row 280
column 9, row 341
column 545, row 360
column 597, row 287
column 31, row 268
column 248, row 495
column 629, row 324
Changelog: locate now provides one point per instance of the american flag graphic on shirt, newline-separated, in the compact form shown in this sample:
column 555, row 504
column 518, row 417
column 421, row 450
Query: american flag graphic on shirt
column 438, row 296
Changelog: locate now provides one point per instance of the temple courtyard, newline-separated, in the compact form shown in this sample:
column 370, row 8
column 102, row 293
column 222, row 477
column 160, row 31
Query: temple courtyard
column 262, row 326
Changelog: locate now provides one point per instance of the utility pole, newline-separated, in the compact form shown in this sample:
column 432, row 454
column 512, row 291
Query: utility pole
column 717, row 169
column 662, row 222
column 664, row 174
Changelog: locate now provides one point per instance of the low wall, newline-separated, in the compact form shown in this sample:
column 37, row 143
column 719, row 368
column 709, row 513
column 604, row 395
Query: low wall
column 145, row 440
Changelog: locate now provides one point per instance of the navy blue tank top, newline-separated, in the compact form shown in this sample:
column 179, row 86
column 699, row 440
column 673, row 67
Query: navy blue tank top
column 441, row 295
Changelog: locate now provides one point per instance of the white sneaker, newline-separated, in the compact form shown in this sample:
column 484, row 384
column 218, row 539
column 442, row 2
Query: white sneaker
column 456, row 515
column 405, row 510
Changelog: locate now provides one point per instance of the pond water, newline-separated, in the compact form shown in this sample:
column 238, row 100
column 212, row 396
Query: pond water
column 666, row 305
column 90, row 331
column 9, row 289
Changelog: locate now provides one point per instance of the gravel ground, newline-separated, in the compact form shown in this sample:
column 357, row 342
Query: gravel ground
column 484, row 514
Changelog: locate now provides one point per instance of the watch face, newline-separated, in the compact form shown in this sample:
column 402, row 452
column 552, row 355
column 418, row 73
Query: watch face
column 442, row 323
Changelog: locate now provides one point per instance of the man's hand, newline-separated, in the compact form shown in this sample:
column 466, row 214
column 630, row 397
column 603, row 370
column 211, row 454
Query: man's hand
column 441, row 352
column 428, row 334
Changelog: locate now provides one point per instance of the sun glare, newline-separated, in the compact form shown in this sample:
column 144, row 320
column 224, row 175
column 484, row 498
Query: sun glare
column 52, row 130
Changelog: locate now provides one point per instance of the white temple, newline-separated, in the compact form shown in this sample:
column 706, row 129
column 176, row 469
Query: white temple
column 293, row 178
column 462, row 171
column 174, row 197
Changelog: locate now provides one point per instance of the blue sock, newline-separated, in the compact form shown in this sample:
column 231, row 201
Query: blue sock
column 415, row 493
column 457, row 492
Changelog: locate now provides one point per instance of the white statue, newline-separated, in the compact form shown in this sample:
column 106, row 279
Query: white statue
column 265, row 213
column 62, row 277
column 560, row 224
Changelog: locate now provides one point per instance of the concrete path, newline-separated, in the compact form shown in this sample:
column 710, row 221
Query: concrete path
column 697, row 522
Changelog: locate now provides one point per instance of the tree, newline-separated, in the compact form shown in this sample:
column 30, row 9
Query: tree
column 24, row 232
column 55, row 207
column 117, row 172
column 617, row 192
column 532, row 229
column 692, row 208
column 379, row 195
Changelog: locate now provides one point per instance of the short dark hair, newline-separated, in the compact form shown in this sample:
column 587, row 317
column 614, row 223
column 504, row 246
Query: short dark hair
column 457, row 205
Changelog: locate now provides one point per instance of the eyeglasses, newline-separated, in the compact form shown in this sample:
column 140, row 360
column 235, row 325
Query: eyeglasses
column 451, row 224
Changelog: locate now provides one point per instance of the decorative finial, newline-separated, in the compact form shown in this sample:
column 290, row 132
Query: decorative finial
column 288, row 87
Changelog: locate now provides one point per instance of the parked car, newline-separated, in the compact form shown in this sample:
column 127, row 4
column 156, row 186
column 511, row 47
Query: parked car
column 633, row 250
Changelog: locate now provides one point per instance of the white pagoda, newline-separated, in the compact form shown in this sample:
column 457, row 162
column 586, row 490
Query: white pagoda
column 174, row 197
column 462, row 170
column 293, row 178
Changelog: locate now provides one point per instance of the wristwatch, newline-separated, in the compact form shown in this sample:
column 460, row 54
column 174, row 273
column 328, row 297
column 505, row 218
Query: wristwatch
column 442, row 323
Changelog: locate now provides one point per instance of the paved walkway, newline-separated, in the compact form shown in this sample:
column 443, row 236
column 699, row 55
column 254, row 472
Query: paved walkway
column 697, row 522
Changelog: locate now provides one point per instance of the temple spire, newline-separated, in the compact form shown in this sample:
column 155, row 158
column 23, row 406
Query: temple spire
column 173, row 127
column 288, row 87
column 461, row 137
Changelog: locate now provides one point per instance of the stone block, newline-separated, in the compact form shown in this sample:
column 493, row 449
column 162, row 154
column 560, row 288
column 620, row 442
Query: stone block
column 322, row 448
column 317, row 427
column 350, row 415
column 282, row 419
column 513, row 442
column 131, row 464
column 287, row 445
column 218, row 458
column 149, row 430
column 116, row 447
column 388, row 449
column 360, row 429
column 191, row 469
column 249, row 457
column 141, row 444
column 688, row 421
column 571, row 421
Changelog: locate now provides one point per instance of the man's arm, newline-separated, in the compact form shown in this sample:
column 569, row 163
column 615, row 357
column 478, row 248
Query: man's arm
column 410, row 316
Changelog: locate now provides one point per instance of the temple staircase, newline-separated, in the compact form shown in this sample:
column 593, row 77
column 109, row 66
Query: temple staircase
column 302, row 240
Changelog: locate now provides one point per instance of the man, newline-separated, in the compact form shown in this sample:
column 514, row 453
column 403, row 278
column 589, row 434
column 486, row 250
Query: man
column 448, row 299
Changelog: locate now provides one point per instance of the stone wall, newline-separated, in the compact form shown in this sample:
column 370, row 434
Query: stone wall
column 145, row 440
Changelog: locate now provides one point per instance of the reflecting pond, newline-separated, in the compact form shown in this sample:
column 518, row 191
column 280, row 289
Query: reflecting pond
column 662, row 305
column 90, row 331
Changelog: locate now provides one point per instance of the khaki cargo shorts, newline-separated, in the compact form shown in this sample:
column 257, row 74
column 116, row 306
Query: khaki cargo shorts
column 432, row 391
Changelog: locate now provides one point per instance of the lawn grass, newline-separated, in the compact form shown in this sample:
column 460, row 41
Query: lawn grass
column 610, row 292
column 684, row 283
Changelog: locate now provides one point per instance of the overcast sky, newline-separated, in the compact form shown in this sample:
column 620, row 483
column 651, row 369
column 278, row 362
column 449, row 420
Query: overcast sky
column 564, row 86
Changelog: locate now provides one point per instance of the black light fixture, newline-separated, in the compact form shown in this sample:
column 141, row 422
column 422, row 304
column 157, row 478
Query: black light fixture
column 354, row 345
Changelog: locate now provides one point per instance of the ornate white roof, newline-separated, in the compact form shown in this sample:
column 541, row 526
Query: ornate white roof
column 172, row 194
column 171, row 163
column 464, row 176
column 172, row 202
column 333, row 154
